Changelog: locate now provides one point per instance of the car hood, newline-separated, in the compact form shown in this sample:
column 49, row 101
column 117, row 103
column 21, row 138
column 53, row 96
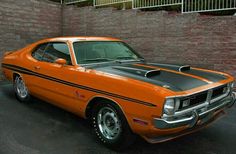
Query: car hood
column 173, row 77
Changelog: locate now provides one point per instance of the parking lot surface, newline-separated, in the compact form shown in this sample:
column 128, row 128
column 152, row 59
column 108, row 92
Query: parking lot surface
column 40, row 128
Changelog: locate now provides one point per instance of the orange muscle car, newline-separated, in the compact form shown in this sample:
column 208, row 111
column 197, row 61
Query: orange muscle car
column 106, row 81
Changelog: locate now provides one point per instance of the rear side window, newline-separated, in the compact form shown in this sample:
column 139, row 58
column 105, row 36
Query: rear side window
column 39, row 52
column 57, row 50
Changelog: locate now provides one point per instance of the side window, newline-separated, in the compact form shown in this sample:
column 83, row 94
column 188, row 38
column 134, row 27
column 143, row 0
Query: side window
column 39, row 51
column 55, row 51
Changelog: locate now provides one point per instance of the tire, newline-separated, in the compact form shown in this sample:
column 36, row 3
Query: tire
column 111, row 126
column 21, row 91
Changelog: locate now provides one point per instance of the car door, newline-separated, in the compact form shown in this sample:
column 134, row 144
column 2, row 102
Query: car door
column 34, row 81
column 54, row 80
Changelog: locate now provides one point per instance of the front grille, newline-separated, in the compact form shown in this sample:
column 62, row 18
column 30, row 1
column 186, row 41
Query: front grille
column 219, row 91
column 199, row 98
column 193, row 100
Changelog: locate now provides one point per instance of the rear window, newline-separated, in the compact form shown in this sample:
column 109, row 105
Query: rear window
column 50, row 52
column 55, row 51
column 39, row 51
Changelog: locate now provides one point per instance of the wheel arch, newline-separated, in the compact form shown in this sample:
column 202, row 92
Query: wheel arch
column 14, row 74
column 95, row 100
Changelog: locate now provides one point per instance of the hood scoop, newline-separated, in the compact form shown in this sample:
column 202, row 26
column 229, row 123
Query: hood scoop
column 180, row 68
column 184, row 68
column 152, row 73
column 137, row 71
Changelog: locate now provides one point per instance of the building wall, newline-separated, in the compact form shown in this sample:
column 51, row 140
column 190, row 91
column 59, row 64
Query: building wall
column 166, row 37
column 203, row 41
column 26, row 21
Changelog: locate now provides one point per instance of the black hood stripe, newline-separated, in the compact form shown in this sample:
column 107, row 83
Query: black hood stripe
column 181, row 80
column 213, row 77
column 179, row 70
column 207, row 75
column 128, row 74
column 29, row 72
column 174, row 81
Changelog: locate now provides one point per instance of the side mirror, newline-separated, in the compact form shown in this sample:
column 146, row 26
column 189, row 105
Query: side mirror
column 60, row 61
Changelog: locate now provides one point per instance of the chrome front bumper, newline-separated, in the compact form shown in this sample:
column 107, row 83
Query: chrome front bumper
column 198, row 116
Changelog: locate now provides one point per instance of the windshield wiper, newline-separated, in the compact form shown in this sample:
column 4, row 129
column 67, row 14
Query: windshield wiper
column 97, row 60
column 128, row 59
column 124, row 58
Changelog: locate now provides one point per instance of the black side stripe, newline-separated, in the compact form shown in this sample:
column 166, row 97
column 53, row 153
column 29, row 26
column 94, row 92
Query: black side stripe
column 29, row 72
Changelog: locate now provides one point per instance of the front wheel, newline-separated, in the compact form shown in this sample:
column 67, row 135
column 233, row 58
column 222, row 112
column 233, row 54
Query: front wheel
column 21, row 91
column 111, row 126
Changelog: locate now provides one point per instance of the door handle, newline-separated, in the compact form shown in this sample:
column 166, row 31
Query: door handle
column 37, row 67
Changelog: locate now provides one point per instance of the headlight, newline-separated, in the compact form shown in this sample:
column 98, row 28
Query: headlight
column 186, row 103
column 169, row 107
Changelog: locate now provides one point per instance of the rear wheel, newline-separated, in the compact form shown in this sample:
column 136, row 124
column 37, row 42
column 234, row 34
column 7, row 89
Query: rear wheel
column 21, row 91
column 111, row 126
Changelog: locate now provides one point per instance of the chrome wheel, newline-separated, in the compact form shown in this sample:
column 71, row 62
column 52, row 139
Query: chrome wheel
column 20, row 88
column 108, row 123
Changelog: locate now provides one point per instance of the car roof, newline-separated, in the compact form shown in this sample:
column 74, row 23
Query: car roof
column 81, row 38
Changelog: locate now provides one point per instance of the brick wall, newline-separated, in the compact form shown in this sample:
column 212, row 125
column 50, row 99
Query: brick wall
column 26, row 21
column 203, row 41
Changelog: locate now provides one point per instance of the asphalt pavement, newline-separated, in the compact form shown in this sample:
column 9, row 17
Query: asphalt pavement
column 40, row 128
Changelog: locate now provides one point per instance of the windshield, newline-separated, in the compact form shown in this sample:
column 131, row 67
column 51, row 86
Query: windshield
column 87, row 52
